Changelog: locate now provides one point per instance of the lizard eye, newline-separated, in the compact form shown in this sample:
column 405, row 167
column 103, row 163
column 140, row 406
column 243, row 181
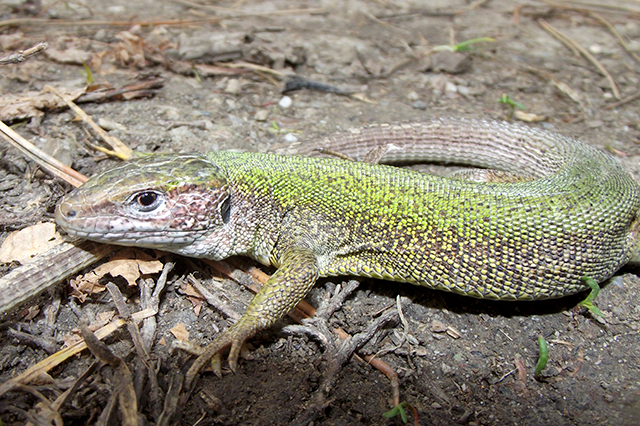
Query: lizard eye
column 147, row 201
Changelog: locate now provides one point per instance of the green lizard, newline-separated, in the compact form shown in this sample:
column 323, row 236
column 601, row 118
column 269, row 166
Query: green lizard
column 566, row 211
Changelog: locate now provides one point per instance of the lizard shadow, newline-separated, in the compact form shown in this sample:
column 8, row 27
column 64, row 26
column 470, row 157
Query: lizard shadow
column 460, row 304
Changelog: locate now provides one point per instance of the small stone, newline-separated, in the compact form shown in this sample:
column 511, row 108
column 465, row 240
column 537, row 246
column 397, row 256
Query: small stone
column 421, row 105
column 463, row 90
column 285, row 102
column 449, row 87
column 183, row 137
column 115, row 10
column 107, row 124
column 101, row 35
column 290, row 137
column 233, row 86
column 172, row 113
column 450, row 62
column 595, row 49
column 438, row 326
column 261, row 115
column 413, row 96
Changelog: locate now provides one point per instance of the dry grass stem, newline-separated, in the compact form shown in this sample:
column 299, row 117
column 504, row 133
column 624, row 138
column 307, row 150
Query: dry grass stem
column 44, row 160
column 576, row 46
column 118, row 148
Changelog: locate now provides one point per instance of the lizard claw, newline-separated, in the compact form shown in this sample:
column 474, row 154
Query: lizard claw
column 216, row 364
column 235, row 337
column 234, row 354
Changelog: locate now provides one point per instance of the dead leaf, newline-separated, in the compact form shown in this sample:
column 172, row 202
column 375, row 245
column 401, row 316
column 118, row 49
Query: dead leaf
column 130, row 49
column 191, row 291
column 32, row 312
column 85, row 285
column 197, row 305
column 23, row 245
column 32, row 104
column 129, row 264
column 180, row 332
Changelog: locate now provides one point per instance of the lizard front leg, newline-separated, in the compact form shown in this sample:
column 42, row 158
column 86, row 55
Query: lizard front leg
column 294, row 278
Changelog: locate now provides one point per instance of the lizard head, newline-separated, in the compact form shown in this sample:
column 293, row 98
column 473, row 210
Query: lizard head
column 166, row 202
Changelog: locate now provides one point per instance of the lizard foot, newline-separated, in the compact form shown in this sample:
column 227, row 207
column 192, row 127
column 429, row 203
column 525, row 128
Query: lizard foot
column 233, row 337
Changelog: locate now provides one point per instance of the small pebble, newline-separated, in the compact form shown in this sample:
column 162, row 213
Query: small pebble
column 422, row 105
column 107, row 124
column 261, row 115
column 464, row 90
column 450, row 87
column 172, row 113
column 290, row 137
column 233, row 86
column 101, row 35
column 413, row 96
column 595, row 49
column 285, row 102
column 115, row 10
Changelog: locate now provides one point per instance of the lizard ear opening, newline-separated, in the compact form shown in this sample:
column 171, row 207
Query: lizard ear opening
column 225, row 210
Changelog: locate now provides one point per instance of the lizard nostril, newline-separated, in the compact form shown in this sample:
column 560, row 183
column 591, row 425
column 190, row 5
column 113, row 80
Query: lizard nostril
column 65, row 210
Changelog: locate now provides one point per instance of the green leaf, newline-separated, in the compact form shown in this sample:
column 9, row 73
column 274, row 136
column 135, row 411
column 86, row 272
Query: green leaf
column 544, row 356
column 397, row 410
column 463, row 46
column 588, row 302
column 506, row 99
column 466, row 45
column 89, row 74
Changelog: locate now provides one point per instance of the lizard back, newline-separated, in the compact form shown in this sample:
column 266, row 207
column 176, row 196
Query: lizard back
column 576, row 217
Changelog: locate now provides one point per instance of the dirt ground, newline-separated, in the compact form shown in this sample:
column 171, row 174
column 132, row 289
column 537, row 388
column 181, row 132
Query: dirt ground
column 463, row 361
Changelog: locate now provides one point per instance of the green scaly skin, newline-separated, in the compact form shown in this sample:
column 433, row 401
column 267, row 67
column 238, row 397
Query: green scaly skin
column 564, row 211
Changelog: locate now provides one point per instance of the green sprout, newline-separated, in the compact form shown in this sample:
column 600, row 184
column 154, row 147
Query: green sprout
column 399, row 410
column 588, row 302
column 463, row 46
column 507, row 100
column 89, row 74
column 543, row 358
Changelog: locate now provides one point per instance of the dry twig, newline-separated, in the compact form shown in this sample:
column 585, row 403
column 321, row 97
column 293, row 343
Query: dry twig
column 23, row 55
column 59, row 357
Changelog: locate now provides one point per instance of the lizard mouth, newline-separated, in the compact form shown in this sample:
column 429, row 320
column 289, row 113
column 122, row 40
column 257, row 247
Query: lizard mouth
column 119, row 230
